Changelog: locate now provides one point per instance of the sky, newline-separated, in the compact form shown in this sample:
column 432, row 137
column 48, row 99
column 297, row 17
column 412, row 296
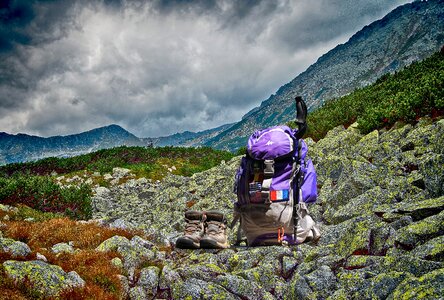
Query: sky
column 159, row 67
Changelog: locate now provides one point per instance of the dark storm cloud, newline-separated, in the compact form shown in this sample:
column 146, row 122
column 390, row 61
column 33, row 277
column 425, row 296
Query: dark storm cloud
column 159, row 67
column 14, row 15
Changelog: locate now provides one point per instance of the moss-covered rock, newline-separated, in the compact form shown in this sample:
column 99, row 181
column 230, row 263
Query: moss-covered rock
column 431, row 250
column 322, row 281
column 354, row 236
column 426, row 138
column 421, row 231
column 45, row 280
column 113, row 243
column 364, row 204
column 379, row 209
column 429, row 286
column 380, row 286
column 205, row 272
column 13, row 247
column 149, row 280
column 299, row 288
column 337, row 140
column 367, row 145
column 409, row 264
column 62, row 248
column 416, row 208
column 193, row 288
column 245, row 289
column 264, row 275
column 431, row 166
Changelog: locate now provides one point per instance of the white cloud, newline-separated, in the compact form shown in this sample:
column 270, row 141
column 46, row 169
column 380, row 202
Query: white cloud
column 158, row 69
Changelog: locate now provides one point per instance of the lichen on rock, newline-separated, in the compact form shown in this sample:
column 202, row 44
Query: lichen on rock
column 46, row 280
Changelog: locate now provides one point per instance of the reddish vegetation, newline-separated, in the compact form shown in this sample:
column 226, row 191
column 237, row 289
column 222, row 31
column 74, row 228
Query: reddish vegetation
column 94, row 267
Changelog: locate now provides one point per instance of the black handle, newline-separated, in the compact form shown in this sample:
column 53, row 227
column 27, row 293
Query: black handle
column 301, row 116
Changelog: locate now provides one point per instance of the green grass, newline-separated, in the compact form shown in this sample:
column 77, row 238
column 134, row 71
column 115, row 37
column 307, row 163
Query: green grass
column 146, row 162
column 414, row 92
column 33, row 184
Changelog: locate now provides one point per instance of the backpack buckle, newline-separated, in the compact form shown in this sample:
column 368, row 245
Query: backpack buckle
column 269, row 168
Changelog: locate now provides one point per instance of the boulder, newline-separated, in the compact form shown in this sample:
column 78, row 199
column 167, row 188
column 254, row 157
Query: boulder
column 419, row 232
column 244, row 289
column 62, row 248
column 431, row 250
column 149, row 280
column 322, row 281
column 45, row 280
column 428, row 286
column 13, row 247
column 193, row 288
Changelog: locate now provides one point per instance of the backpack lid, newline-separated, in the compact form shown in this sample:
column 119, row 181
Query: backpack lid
column 271, row 143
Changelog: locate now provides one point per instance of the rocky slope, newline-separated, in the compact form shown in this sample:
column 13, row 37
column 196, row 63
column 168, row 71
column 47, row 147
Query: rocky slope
column 380, row 209
column 409, row 33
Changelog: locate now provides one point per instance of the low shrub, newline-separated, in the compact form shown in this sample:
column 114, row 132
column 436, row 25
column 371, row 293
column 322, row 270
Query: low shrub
column 414, row 92
column 42, row 193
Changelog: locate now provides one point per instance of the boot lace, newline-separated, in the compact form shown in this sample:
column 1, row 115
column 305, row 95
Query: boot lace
column 215, row 227
column 193, row 226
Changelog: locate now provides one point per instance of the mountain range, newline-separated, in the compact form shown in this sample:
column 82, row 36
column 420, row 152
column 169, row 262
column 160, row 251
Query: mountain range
column 409, row 33
column 23, row 147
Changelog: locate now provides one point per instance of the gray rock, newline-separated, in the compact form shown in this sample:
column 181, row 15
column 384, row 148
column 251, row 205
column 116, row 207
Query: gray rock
column 149, row 280
column 62, row 248
column 41, row 257
column 431, row 250
column 46, row 280
column 133, row 258
column 140, row 242
column 194, row 288
column 113, row 243
column 168, row 277
column 8, row 208
column 137, row 293
column 288, row 265
column 245, row 289
column 428, row 286
column 421, row 231
column 322, row 280
column 121, row 172
column 430, row 166
column 119, row 223
column 299, row 288
column 15, row 248
column 125, row 286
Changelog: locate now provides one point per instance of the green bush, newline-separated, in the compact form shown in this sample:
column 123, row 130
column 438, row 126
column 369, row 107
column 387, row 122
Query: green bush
column 42, row 193
column 147, row 162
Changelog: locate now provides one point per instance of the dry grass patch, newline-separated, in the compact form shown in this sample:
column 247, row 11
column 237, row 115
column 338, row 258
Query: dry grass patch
column 94, row 267
column 97, row 271
column 48, row 233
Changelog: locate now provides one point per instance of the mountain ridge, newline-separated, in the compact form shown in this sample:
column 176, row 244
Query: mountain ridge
column 409, row 33
column 23, row 147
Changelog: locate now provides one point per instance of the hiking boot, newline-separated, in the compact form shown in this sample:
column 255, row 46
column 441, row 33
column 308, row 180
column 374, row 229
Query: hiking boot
column 194, row 230
column 215, row 231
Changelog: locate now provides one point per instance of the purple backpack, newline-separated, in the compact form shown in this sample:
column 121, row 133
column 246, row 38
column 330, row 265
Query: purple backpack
column 273, row 177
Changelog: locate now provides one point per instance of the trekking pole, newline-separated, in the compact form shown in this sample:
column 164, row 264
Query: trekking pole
column 301, row 116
